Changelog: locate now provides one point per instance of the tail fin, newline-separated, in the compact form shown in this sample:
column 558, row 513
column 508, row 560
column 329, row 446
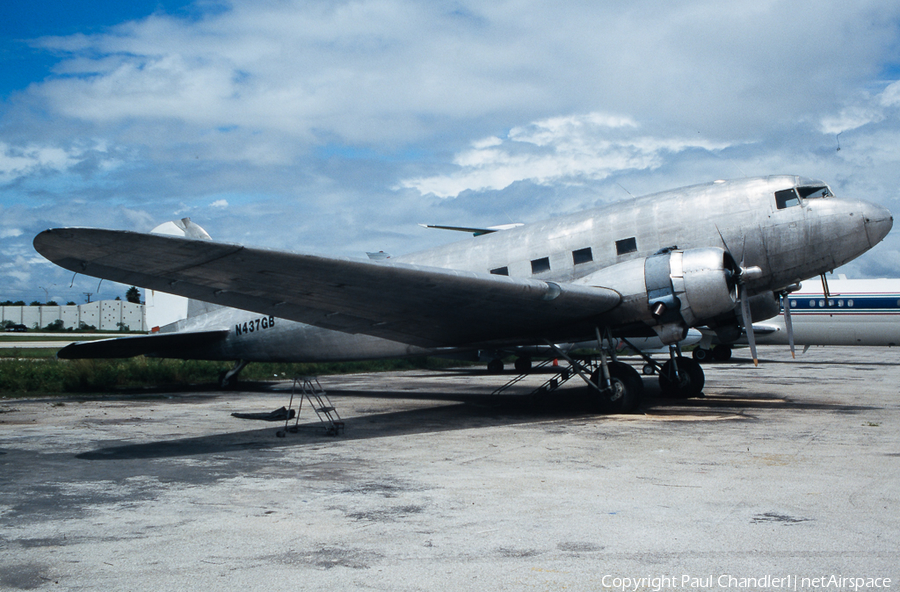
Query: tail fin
column 164, row 309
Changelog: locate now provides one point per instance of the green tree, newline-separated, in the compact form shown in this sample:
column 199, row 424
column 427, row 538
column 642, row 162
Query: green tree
column 133, row 295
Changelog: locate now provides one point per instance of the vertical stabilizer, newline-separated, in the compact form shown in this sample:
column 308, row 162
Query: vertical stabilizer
column 162, row 308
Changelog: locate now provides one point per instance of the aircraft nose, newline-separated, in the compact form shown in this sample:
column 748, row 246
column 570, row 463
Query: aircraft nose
column 878, row 220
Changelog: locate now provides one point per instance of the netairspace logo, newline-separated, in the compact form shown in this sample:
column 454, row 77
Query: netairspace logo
column 728, row 582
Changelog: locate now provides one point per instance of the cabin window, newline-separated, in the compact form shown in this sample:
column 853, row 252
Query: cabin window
column 500, row 271
column 540, row 265
column 582, row 256
column 786, row 199
column 625, row 246
column 849, row 303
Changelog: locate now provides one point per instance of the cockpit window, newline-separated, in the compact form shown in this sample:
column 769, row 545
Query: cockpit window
column 814, row 191
column 786, row 198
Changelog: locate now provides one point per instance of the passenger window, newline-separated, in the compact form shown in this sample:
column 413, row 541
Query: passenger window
column 625, row 246
column 582, row 256
column 786, row 199
column 500, row 271
column 540, row 265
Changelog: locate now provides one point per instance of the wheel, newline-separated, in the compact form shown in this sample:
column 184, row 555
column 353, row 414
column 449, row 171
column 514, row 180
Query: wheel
column 701, row 355
column 523, row 364
column 688, row 383
column 721, row 353
column 648, row 370
column 495, row 366
column 626, row 392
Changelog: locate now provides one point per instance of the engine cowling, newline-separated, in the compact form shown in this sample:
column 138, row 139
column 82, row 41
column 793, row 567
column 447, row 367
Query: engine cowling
column 684, row 288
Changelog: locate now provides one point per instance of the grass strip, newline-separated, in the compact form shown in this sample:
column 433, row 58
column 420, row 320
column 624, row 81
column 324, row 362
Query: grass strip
column 48, row 376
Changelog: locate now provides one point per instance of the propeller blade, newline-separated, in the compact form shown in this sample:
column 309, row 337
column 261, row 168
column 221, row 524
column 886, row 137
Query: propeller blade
column 748, row 326
column 786, row 303
column 825, row 289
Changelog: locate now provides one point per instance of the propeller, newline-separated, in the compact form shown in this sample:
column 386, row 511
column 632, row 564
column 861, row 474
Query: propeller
column 745, row 274
column 740, row 276
column 786, row 305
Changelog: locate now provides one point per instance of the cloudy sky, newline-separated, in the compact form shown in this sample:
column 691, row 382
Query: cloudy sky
column 335, row 127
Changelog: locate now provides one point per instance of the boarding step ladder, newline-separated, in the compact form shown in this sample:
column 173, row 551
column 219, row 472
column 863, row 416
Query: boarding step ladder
column 560, row 377
column 308, row 388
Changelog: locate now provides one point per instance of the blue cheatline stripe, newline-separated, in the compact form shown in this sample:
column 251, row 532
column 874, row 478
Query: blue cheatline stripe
column 862, row 303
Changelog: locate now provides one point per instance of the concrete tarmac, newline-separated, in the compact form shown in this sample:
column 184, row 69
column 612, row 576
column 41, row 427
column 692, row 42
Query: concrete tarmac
column 778, row 476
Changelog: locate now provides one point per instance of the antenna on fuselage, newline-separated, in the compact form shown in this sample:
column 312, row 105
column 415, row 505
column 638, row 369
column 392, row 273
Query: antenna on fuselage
column 623, row 189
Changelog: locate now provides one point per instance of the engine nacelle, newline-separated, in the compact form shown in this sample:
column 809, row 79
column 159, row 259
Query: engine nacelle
column 671, row 291
column 685, row 288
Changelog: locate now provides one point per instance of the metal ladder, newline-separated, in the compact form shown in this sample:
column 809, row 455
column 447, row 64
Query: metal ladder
column 308, row 387
column 562, row 375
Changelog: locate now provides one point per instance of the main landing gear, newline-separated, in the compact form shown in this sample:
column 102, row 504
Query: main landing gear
column 720, row 353
column 615, row 387
column 681, row 377
column 621, row 392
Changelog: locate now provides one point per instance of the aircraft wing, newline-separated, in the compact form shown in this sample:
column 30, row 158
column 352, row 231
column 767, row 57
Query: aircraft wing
column 141, row 345
column 425, row 306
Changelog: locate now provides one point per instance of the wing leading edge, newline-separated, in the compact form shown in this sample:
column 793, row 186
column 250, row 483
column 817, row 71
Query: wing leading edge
column 425, row 306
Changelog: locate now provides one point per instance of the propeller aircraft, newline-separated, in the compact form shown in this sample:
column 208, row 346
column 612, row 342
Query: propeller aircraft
column 714, row 255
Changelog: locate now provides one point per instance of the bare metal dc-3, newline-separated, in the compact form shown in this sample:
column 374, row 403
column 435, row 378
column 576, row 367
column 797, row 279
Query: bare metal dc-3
column 714, row 255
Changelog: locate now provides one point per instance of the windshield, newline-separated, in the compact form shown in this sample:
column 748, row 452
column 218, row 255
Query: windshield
column 814, row 191
column 794, row 196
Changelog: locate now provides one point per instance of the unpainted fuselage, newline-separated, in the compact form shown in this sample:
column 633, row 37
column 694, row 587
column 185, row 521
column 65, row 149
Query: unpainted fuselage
column 603, row 247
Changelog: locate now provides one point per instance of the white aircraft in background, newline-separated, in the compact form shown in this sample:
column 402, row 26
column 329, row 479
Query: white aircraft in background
column 655, row 266
column 852, row 312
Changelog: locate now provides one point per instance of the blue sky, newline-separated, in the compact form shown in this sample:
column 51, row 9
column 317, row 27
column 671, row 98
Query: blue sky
column 336, row 127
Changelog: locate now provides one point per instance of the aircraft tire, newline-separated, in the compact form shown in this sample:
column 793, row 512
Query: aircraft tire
column 629, row 381
column 701, row 354
column 495, row 366
column 523, row 364
column 691, row 383
column 721, row 353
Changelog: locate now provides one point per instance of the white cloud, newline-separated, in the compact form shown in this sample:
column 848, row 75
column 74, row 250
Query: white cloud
column 325, row 122
column 16, row 162
column 10, row 232
column 376, row 71
column 32, row 159
column 567, row 150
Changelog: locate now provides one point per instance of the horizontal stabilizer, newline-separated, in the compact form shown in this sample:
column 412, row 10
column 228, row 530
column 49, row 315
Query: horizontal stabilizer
column 168, row 345
column 476, row 231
